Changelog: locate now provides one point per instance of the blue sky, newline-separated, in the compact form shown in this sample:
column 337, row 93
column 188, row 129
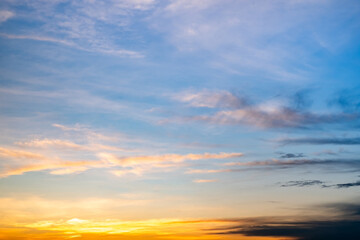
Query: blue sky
column 203, row 106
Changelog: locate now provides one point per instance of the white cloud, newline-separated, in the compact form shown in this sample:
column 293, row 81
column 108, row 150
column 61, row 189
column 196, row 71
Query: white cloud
column 84, row 25
column 5, row 15
column 210, row 99
column 253, row 37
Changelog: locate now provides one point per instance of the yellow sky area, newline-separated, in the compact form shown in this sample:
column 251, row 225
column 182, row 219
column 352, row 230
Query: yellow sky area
column 155, row 229
column 38, row 218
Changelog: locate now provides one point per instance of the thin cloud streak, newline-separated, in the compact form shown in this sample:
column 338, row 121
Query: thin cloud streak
column 353, row 164
column 307, row 183
column 302, row 183
column 204, row 180
column 322, row 141
column 130, row 165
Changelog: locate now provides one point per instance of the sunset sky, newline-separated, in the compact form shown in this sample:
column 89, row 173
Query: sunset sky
column 179, row 119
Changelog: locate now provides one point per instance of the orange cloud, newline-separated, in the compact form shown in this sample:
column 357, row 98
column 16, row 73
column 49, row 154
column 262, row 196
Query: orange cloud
column 175, row 158
column 139, row 164
column 205, row 180
column 19, row 154
column 51, row 142
column 130, row 164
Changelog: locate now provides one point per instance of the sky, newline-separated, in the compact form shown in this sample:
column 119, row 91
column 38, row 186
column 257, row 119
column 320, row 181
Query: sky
column 179, row 119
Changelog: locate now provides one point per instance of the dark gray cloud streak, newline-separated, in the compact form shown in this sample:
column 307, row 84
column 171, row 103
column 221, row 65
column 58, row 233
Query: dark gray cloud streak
column 292, row 155
column 308, row 183
column 321, row 141
column 346, row 185
column 345, row 226
column 302, row 183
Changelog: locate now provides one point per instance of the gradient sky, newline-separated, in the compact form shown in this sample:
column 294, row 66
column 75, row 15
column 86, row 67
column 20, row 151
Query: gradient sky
column 179, row 119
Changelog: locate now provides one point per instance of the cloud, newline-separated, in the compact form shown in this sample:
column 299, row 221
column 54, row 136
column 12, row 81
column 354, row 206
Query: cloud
column 17, row 162
column 68, row 145
column 274, row 164
column 37, row 38
column 345, row 226
column 266, row 114
column 285, row 163
column 292, row 155
column 43, row 143
column 302, row 183
column 173, row 158
column 56, row 167
column 247, row 37
column 139, row 164
column 347, row 185
column 201, row 171
column 211, row 99
column 273, row 118
column 5, row 15
column 321, row 141
column 306, row 183
column 84, row 26
column 19, row 154
column 204, row 180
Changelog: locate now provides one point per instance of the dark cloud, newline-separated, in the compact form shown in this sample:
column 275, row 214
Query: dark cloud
column 347, row 185
column 344, row 226
column 292, row 155
column 320, row 141
column 328, row 165
column 298, row 162
column 302, row 183
column 307, row 183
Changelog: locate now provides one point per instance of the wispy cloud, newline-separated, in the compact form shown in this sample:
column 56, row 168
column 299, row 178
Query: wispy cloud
column 267, row 114
column 296, row 162
column 211, row 99
column 276, row 164
column 252, row 34
column 274, row 118
column 37, row 38
column 302, row 183
column 204, row 180
column 307, row 183
column 43, row 143
column 345, row 185
column 83, row 26
column 19, row 154
column 321, row 141
column 65, row 144
column 5, row 15
column 292, row 155
column 19, row 161
column 139, row 164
